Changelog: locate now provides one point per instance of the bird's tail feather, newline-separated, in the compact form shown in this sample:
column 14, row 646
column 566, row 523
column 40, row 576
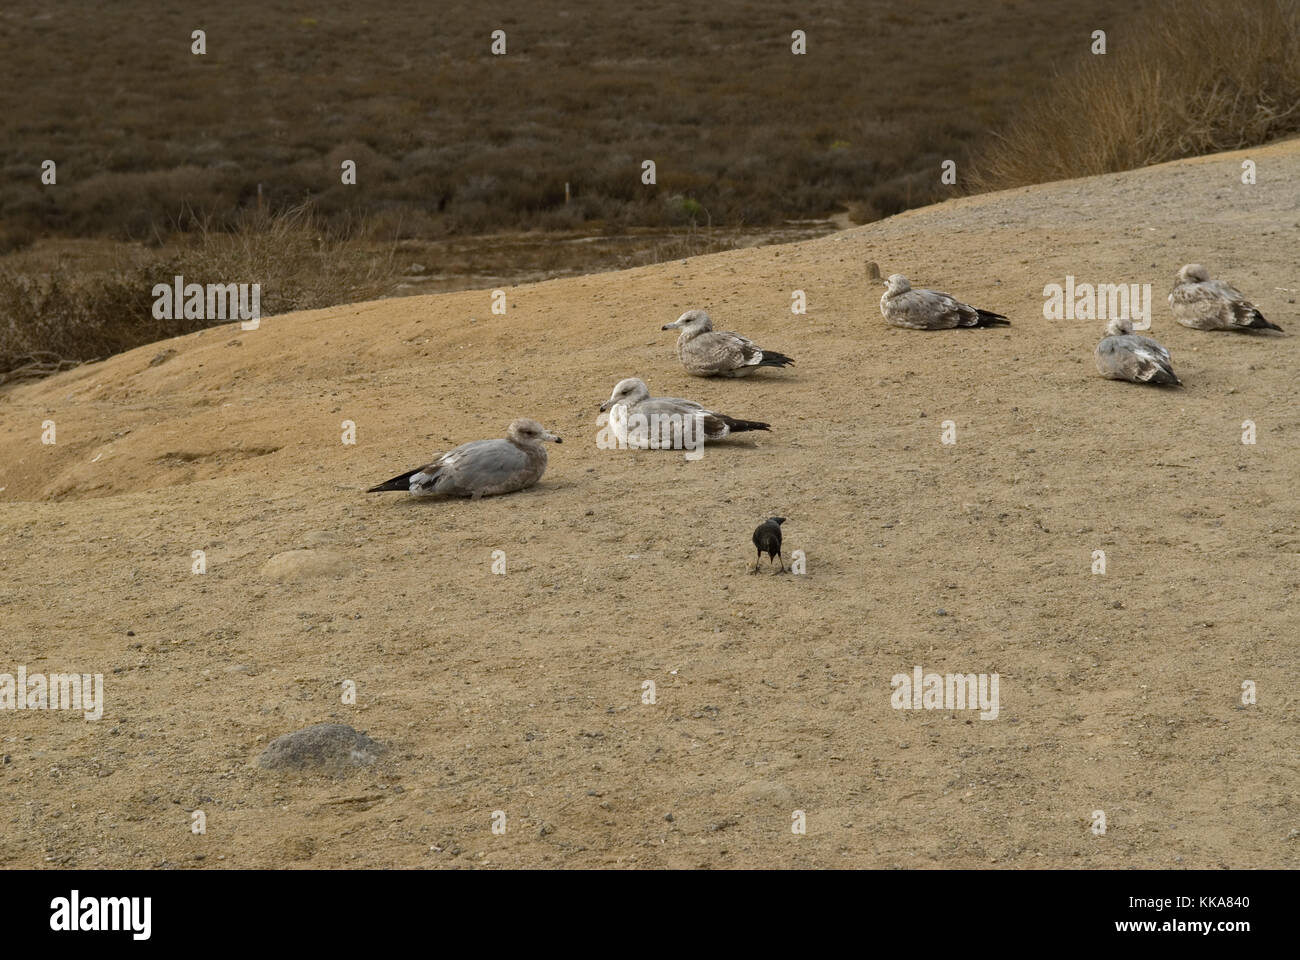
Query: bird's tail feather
column 401, row 482
column 740, row 426
column 989, row 319
column 1257, row 322
column 773, row 359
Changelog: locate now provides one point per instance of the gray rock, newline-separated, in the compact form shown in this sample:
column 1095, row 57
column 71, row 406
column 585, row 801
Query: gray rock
column 328, row 747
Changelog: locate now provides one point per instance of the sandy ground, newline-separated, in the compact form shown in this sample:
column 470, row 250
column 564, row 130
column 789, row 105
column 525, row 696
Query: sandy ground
column 522, row 693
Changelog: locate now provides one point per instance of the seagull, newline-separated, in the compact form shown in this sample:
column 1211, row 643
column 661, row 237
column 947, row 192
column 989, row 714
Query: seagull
column 1204, row 304
column 1123, row 355
column 901, row 306
column 645, row 422
column 706, row 352
column 482, row 468
column 767, row 538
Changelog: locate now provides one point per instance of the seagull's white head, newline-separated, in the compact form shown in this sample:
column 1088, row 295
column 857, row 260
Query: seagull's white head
column 692, row 322
column 1119, row 327
column 896, row 284
column 524, row 430
column 630, row 390
column 1193, row 273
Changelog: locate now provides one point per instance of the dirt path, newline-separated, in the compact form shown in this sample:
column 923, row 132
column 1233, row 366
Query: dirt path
column 522, row 693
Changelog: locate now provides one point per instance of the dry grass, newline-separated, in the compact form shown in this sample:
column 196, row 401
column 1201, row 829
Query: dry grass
column 1184, row 78
column 450, row 140
column 66, row 315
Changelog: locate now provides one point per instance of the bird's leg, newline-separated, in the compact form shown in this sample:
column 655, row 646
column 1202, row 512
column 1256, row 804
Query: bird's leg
column 780, row 561
column 756, row 560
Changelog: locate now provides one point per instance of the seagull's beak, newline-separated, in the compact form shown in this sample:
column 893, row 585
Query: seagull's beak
column 551, row 437
column 671, row 326
column 604, row 406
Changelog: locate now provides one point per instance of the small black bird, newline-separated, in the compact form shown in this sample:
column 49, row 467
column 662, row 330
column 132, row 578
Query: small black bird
column 767, row 538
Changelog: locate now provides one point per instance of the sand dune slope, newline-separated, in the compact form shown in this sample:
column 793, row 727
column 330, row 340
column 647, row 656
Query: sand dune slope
column 523, row 692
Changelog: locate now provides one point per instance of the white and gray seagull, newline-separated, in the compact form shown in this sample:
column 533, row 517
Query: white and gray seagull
column 920, row 309
column 482, row 468
column 1204, row 304
column 1123, row 355
column 637, row 419
column 706, row 352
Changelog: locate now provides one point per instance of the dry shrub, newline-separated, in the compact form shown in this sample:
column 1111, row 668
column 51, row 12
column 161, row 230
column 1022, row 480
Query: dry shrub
column 689, row 243
column 53, row 319
column 1184, row 78
column 300, row 263
column 132, row 205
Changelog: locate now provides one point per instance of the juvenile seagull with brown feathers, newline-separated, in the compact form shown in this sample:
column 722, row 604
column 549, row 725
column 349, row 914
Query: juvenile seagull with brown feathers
column 901, row 306
column 706, row 352
column 1204, row 304
column 1123, row 355
column 483, row 468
